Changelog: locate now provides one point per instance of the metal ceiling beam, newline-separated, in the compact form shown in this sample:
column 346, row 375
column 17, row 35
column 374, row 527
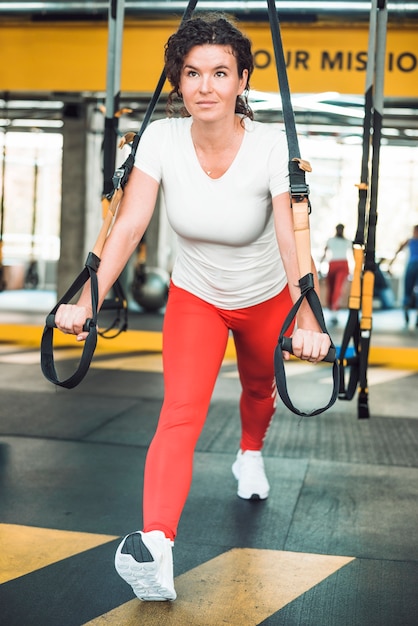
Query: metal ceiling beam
column 353, row 8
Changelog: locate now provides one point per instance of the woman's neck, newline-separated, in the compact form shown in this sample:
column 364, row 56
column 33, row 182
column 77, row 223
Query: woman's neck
column 217, row 137
column 217, row 147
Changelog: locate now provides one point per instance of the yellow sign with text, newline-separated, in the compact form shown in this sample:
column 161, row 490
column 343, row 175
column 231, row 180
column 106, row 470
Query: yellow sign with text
column 335, row 59
column 72, row 57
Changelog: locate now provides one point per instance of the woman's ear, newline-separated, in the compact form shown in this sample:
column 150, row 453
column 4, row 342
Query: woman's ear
column 243, row 82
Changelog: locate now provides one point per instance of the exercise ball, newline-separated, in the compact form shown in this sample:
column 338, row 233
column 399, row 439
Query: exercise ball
column 150, row 287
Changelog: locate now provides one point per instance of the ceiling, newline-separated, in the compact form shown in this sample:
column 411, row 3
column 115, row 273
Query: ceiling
column 295, row 10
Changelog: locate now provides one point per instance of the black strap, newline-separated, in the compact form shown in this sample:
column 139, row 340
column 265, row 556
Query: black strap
column 288, row 114
column 284, row 343
column 119, row 304
column 47, row 352
column 299, row 192
column 352, row 330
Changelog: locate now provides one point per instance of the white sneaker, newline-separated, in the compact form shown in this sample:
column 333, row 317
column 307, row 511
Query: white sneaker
column 248, row 469
column 145, row 561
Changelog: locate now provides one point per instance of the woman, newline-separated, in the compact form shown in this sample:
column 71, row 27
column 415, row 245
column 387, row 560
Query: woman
column 337, row 250
column 226, row 191
column 410, row 296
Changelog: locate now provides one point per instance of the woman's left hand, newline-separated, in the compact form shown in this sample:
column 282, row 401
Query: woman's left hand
column 309, row 345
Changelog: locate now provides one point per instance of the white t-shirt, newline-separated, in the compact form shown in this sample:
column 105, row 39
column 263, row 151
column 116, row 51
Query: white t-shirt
column 338, row 248
column 227, row 248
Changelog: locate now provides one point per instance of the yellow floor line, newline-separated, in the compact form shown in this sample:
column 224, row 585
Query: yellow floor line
column 151, row 341
column 242, row 587
column 24, row 549
column 132, row 363
column 130, row 341
column 403, row 358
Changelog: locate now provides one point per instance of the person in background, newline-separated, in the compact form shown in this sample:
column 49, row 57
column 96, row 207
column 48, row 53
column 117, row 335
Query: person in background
column 336, row 252
column 382, row 288
column 410, row 295
column 226, row 190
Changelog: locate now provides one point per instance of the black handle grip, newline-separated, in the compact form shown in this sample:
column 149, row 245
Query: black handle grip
column 50, row 323
column 286, row 343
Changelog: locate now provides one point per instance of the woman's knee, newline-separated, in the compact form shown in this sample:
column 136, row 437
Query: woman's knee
column 181, row 423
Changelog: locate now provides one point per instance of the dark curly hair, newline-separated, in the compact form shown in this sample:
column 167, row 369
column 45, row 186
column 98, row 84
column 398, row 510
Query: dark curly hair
column 209, row 28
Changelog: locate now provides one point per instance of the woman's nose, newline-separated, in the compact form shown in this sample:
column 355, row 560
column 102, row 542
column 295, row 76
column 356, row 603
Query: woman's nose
column 206, row 84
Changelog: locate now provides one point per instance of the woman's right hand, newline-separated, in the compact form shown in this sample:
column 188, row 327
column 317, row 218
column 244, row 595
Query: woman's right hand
column 70, row 319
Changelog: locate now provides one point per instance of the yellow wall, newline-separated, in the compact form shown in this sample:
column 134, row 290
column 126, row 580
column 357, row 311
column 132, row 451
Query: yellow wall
column 72, row 57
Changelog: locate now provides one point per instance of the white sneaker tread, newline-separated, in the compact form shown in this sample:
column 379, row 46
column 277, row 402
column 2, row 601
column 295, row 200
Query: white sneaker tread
column 147, row 568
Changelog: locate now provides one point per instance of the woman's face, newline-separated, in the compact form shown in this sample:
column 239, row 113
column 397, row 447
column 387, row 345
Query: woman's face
column 210, row 83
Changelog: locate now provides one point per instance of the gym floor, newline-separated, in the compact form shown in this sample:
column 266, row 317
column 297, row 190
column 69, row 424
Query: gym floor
column 335, row 543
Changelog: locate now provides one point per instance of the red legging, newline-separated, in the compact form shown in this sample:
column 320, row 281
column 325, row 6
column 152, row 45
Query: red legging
column 195, row 335
column 337, row 275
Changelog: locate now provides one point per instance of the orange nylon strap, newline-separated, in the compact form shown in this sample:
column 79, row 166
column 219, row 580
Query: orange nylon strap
column 302, row 236
column 108, row 221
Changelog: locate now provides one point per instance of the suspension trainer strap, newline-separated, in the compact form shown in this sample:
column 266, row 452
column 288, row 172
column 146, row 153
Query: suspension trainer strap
column 119, row 303
column 366, row 322
column 348, row 384
column 301, row 208
column 88, row 273
column 119, row 180
column 47, row 352
column 284, row 343
column 359, row 327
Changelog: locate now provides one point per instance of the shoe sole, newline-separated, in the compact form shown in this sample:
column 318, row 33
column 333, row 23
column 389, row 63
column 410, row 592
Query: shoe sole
column 142, row 577
column 247, row 495
column 253, row 496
